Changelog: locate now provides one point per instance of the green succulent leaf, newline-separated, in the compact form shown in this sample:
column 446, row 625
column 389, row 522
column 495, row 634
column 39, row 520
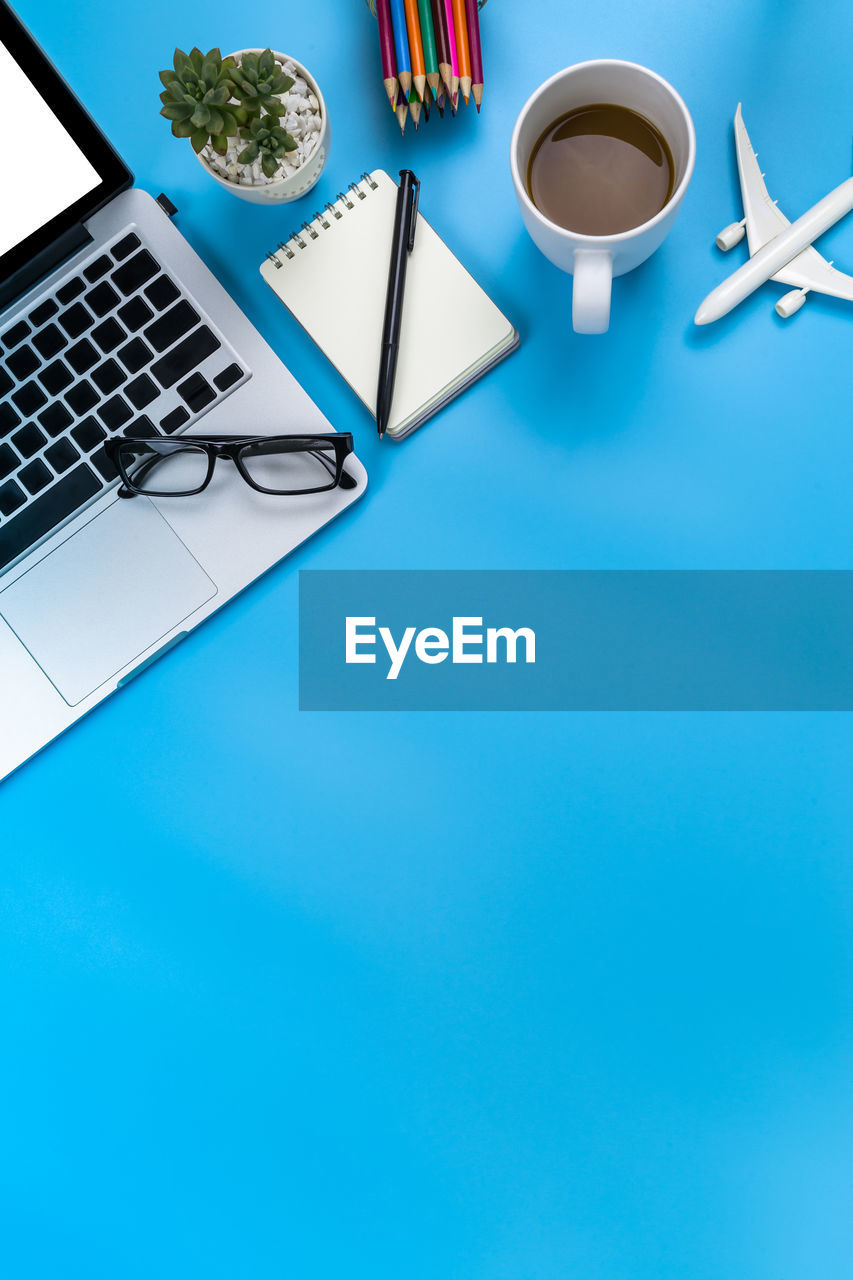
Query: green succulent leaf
column 199, row 138
column 219, row 143
column 249, row 154
column 182, row 128
column 269, row 164
column 175, row 111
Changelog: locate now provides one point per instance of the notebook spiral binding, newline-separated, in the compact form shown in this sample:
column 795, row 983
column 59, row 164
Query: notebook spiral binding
column 311, row 229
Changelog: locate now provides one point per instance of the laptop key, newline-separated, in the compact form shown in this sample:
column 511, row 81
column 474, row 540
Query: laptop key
column 115, row 413
column 16, row 334
column 88, row 433
column 49, row 342
column 82, row 398
column 6, row 383
column 8, row 461
column 108, row 376
column 35, row 476
column 162, row 292
column 133, row 274
column 197, row 392
column 11, row 497
column 98, row 268
column 183, row 358
column 135, row 355
column 171, row 326
column 175, row 419
column 45, row 311
column 28, row 440
column 135, row 314
column 109, row 335
column 61, row 455
column 125, row 247
column 61, row 500
column 22, row 363
column 29, row 398
column 76, row 320
column 141, row 391
column 104, row 464
column 228, row 377
column 70, row 290
column 55, row 418
column 8, row 419
column 101, row 299
column 82, row 357
column 142, row 426
column 56, row 377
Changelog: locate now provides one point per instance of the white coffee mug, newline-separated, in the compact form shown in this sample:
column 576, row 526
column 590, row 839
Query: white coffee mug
column 595, row 260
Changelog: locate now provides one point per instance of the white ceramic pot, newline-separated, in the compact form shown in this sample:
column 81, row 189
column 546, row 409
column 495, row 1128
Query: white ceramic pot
column 305, row 177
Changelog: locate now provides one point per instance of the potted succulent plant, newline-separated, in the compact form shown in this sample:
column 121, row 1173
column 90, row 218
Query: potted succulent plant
column 255, row 119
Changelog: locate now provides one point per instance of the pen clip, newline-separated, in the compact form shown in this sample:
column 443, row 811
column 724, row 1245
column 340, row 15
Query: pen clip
column 414, row 222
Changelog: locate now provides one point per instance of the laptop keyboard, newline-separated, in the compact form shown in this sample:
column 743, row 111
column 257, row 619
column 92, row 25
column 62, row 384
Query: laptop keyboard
column 116, row 347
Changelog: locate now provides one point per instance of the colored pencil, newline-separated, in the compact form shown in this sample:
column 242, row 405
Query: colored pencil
column 416, row 46
column 462, row 51
column 430, row 51
column 401, row 109
column 440, row 101
column 415, row 109
column 427, row 102
column 439, row 22
column 386, row 50
column 473, row 13
column 401, row 45
column 451, row 41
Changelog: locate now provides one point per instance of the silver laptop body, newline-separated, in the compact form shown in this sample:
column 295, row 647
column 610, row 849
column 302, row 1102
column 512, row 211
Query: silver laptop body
column 112, row 584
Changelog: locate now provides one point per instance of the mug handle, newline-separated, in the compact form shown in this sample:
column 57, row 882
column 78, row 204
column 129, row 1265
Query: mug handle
column 593, row 275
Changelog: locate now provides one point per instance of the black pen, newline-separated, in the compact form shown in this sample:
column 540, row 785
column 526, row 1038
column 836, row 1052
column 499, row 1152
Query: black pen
column 405, row 221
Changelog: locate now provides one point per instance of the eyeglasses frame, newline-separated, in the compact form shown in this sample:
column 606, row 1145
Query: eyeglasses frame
column 230, row 446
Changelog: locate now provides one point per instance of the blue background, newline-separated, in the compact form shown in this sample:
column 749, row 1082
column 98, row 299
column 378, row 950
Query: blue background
column 493, row 997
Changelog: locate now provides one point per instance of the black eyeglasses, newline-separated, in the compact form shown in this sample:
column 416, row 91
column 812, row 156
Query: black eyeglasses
column 177, row 467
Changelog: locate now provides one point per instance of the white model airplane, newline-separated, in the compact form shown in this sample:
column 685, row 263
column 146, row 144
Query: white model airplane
column 779, row 250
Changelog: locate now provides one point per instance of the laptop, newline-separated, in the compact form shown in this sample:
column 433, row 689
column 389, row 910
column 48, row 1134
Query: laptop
column 111, row 324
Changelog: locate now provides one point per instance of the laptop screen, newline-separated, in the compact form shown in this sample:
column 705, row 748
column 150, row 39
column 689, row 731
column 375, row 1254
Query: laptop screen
column 63, row 170
column 51, row 172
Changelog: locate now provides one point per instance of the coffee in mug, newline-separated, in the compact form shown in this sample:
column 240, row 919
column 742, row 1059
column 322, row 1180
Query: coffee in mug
column 601, row 157
column 600, row 170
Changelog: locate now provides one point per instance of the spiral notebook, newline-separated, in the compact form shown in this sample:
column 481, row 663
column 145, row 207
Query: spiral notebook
column 332, row 275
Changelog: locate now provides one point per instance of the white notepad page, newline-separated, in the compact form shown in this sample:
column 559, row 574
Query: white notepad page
column 335, row 287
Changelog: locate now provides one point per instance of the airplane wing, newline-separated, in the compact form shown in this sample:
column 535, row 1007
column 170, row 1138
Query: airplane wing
column 811, row 271
column 764, row 220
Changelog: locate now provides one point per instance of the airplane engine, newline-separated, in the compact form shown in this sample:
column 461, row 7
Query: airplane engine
column 790, row 303
column 730, row 236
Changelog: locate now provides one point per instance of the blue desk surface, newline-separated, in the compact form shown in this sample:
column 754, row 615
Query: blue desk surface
column 490, row 997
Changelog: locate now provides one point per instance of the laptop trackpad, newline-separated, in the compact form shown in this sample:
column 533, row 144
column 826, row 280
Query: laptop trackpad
column 104, row 596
